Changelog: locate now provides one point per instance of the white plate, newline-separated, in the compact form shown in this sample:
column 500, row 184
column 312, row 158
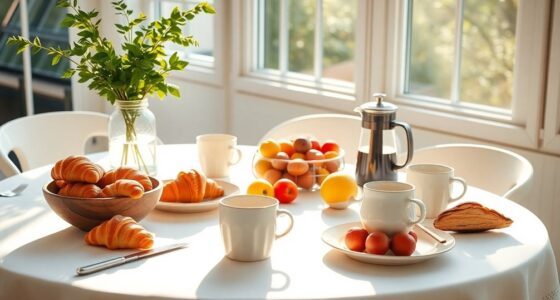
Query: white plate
column 426, row 247
column 229, row 189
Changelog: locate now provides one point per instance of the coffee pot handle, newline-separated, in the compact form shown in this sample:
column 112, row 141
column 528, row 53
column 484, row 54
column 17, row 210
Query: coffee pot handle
column 409, row 143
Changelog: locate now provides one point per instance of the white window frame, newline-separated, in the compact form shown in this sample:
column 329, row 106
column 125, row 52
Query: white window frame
column 521, row 129
column 294, row 87
column 551, row 136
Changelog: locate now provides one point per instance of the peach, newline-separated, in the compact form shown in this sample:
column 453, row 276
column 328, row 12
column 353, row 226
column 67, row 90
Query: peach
column 297, row 167
column 302, row 145
column 306, row 181
column 287, row 147
column 272, row 175
column 330, row 146
column 261, row 166
column 315, row 144
column 280, row 161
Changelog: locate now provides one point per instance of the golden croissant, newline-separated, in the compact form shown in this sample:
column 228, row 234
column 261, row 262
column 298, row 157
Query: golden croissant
column 188, row 187
column 471, row 217
column 77, row 169
column 213, row 189
column 79, row 189
column 120, row 233
column 126, row 173
column 123, row 188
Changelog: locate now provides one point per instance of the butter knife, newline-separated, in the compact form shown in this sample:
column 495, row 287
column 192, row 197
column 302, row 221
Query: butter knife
column 117, row 261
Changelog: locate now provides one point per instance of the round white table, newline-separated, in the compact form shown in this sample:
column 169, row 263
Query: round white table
column 39, row 254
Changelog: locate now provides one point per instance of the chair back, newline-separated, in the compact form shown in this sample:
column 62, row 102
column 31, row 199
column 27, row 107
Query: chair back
column 45, row 138
column 344, row 129
column 497, row 170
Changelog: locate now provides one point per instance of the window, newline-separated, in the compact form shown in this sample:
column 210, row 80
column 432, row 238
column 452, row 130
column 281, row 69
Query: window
column 461, row 52
column 308, row 40
column 202, row 28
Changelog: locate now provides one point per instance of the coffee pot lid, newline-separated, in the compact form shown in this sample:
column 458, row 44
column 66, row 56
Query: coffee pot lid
column 378, row 106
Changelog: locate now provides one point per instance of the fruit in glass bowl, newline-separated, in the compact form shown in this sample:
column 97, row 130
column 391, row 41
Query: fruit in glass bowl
column 303, row 162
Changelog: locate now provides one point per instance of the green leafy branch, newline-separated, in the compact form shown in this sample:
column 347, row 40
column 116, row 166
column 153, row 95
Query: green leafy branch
column 143, row 66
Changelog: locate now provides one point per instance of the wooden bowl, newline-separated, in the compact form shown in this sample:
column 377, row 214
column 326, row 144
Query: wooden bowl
column 86, row 213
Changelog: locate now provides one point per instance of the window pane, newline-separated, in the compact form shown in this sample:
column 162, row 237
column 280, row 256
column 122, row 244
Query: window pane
column 201, row 27
column 271, row 33
column 339, row 29
column 301, row 40
column 431, row 49
column 488, row 52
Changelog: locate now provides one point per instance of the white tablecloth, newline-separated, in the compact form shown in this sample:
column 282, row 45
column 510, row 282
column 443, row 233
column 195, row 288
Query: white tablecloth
column 39, row 253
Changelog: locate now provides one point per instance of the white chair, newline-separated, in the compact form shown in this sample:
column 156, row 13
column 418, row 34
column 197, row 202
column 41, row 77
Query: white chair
column 344, row 129
column 45, row 138
column 496, row 170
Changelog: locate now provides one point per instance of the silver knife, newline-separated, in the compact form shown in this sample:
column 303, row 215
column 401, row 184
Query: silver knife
column 117, row 261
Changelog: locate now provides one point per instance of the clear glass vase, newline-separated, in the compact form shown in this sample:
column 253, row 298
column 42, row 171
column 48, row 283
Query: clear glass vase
column 132, row 136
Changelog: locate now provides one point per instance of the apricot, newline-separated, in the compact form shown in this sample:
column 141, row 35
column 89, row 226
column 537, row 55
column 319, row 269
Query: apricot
column 315, row 144
column 321, row 174
column 287, row 147
column 403, row 244
column 272, row 175
column 269, row 148
column 306, row 181
column 280, row 161
column 355, row 239
column 298, row 155
column 377, row 242
column 332, row 165
column 289, row 176
column 302, row 145
column 297, row 167
column 261, row 166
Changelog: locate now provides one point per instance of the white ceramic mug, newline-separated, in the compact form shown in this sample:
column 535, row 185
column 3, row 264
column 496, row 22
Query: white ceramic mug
column 248, row 226
column 434, row 185
column 388, row 206
column 216, row 153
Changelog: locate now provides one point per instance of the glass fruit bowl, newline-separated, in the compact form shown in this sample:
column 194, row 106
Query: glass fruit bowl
column 307, row 171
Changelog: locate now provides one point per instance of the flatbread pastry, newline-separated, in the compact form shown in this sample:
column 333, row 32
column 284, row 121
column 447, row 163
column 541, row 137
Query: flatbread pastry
column 471, row 217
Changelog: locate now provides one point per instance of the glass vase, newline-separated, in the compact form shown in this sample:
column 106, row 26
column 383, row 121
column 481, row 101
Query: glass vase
column 132, row 136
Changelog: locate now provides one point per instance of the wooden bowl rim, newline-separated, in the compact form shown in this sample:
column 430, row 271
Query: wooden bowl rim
column 158, row 186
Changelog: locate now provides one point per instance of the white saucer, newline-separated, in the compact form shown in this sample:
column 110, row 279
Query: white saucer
column 426, row 247
column 207, row 205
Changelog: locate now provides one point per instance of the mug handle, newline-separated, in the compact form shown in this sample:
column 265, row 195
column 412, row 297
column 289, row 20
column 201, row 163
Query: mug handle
column 422, row 207
column 287, row 213
column 462, row 182
column 239, row 155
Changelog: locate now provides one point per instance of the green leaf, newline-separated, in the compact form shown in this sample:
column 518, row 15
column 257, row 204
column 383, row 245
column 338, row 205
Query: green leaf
column 174, row 90
column 55, row 59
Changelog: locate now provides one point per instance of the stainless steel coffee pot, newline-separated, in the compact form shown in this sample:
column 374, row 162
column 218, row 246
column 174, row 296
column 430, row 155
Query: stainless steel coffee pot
column 377, row 152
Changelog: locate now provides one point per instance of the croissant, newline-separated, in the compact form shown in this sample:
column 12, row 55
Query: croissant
column 76, row 169
column 213, row 189
column 188, row 187
column 471, row 217
column 120, row 233
column 123, row 188
column 126, row 173
column 79, row 189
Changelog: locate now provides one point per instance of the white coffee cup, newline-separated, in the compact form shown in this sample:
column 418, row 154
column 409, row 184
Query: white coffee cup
column 389, row 206
column 248, row 226
column 434, row 185
column 216, row 153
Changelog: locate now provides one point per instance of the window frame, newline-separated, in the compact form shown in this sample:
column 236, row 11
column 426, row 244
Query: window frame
column 530, row 60
column 551, row 134
column 290, row 86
